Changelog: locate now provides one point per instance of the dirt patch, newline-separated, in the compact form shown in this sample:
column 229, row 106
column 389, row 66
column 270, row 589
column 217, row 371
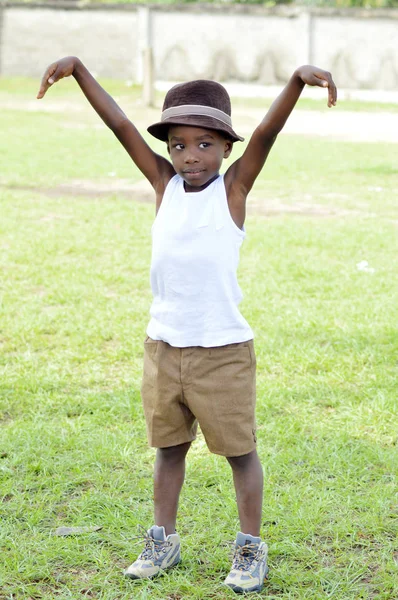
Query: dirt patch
column 345, row 126
column 271, row 208
column 361, row 126
column 141, row 191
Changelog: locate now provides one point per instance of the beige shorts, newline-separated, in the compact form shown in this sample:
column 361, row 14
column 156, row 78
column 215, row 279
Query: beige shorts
column 213, row 386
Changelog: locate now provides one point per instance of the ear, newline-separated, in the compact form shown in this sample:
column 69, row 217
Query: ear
column 228, row 145
column 168, row 147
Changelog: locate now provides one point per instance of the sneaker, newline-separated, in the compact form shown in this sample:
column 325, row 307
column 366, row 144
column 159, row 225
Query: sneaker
column 249, row 567
column 160, row 553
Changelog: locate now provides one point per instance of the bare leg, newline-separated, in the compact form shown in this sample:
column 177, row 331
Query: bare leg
column 168, row 479
column 248, row 481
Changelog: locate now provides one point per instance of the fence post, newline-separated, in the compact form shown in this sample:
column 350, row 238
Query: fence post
column 146, row 66
column 306, row 22
column 311, row 36
column 1, row 35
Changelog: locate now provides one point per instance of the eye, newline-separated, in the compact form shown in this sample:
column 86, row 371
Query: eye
column 204, row 145
column 179, row 146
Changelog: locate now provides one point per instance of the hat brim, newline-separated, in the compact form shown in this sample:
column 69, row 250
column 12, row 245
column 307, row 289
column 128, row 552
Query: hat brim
column 160, row 130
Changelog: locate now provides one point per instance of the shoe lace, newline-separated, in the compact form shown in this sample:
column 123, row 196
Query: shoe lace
column 153, row 548
column 244, row 557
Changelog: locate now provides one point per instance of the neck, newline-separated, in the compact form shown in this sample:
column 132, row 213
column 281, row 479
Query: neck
column 192, row 189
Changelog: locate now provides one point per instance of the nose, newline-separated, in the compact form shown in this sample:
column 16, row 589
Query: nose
column 190, row 157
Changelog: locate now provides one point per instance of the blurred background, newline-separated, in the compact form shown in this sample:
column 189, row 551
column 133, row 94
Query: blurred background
column 231, row 41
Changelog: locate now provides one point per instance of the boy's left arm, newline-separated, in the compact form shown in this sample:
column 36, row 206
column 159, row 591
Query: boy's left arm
column 241, row 175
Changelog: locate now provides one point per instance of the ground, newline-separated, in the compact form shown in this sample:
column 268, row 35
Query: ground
column 358, row 126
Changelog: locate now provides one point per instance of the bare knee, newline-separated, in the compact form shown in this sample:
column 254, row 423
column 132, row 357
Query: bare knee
column 240, row 463
column 173, row 454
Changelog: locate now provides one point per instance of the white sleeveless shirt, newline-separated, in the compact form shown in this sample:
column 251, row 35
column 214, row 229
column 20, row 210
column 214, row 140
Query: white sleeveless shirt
column 195, row 256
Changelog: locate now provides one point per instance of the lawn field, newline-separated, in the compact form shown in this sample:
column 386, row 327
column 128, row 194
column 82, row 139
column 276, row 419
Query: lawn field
column 319, row 275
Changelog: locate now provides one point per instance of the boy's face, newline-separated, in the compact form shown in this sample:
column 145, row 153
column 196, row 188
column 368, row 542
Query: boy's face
column 197, row 154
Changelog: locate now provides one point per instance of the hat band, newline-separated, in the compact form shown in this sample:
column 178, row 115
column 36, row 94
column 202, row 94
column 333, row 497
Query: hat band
column 196, row 109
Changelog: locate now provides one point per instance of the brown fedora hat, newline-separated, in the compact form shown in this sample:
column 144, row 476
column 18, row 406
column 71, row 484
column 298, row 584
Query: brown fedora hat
column 199, row 103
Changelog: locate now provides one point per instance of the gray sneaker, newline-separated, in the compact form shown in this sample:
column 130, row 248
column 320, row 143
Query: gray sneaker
column 249, row 567
column 160, row 553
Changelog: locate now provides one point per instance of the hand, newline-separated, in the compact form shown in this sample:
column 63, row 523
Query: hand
column 314, row 76
column 55, row 72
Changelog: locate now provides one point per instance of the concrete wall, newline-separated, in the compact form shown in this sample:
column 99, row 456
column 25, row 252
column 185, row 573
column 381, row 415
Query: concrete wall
column 239, row 42
column 34, row 37
column 363, row 53
column 226, row 46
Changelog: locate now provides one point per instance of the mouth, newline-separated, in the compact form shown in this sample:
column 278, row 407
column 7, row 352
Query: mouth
column 193, row 171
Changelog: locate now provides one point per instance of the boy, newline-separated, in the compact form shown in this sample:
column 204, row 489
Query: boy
column 199, row 361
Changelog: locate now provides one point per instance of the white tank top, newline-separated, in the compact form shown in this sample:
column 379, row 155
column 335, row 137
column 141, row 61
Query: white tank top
column 195, row 256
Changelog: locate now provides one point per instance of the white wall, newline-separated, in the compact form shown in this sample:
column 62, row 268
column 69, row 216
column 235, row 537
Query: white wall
column 228, row 46
column 238, row 43
column 363, row 53
column 103, row 39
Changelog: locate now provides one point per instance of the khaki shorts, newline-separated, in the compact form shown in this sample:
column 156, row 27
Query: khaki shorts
column 213, row 386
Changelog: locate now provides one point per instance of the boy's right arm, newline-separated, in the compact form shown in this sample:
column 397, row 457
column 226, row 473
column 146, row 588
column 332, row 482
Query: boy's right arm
column 156, row 168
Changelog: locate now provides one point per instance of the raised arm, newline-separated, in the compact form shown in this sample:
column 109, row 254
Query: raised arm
column 242, row 173
column 156, row 168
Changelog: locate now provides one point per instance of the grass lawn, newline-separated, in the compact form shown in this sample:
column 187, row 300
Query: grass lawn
column 74, row 302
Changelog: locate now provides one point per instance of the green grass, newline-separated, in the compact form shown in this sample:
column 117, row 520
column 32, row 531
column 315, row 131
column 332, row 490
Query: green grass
column 74, row 302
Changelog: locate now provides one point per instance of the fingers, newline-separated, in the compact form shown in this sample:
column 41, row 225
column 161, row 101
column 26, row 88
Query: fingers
column 319, row 81
column 326, row 80
column 49, row 78
column 314, row 76
column 332, row 96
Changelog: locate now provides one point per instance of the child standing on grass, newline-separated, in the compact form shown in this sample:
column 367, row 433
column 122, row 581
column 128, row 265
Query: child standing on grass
column 199, row 360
